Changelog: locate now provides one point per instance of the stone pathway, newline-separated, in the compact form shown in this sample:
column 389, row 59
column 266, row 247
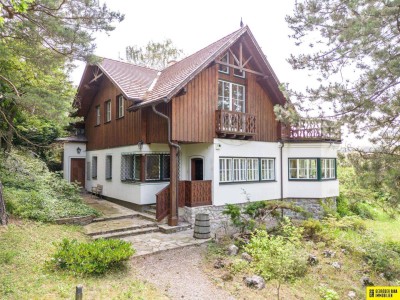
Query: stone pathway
column 155, row 242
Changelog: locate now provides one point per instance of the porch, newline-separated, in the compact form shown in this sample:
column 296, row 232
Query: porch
column 190, row 193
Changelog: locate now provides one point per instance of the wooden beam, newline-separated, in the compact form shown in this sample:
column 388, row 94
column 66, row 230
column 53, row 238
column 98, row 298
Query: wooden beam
column 173, row 187
column 242, row 69
column 241, row 55
column 245, row 63
column 234, row 56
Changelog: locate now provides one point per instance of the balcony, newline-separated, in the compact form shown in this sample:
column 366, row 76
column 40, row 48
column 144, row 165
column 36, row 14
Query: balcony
column 232, row 124
column 312, row 130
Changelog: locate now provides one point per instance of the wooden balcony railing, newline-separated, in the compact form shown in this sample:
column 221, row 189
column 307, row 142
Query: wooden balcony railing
column 234, row 124
column 312, row 130
column 190, row 193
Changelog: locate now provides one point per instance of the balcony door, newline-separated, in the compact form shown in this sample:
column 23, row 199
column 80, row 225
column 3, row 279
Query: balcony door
column 197, row 169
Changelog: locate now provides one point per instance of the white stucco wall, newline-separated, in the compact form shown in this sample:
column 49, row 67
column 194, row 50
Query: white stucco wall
column 309, row 189
column 70, row 152
column 135, row 192
column 234, row 193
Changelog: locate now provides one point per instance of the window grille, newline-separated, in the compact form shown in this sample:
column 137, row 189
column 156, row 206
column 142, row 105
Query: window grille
column 166, row 171
column 152, row 167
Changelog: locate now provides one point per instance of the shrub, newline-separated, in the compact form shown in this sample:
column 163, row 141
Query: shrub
column 328, row 294
column 95, row 257
column 363, row 210
column 384, row 258
column 311, row 228
column 279, row 257
column 346, row 223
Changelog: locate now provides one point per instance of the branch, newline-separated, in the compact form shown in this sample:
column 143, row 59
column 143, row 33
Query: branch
column 11, row 84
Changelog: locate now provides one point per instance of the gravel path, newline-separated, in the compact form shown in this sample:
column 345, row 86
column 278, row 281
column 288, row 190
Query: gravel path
column 178, row 273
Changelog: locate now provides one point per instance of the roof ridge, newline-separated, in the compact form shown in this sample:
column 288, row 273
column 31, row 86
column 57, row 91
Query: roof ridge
column 209, row 45
column 129, row 63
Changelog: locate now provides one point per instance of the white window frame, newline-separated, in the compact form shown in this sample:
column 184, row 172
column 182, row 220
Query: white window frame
column 121, row 106
column 108, row 167
column 232, row 101
column 108, row 111
column 224, row 59
column 328, row 166
column 252, row 169
column 130, row 161
column 267, row 169
column 305, row 169
column 239, row 166
column 98, row 115
column 225, row 169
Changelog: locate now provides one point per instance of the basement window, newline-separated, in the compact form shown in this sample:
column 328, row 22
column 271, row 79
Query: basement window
column 94, row 167
column 157, row 167
column 130, row 167
column 108, row 167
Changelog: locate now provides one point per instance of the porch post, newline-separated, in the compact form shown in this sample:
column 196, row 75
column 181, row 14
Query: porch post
column 173, row 205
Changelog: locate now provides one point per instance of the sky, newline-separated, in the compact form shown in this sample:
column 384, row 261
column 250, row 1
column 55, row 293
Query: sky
column 193, row 25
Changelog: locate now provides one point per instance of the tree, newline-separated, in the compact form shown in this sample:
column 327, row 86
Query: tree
column 155, row 55
column 354, row 47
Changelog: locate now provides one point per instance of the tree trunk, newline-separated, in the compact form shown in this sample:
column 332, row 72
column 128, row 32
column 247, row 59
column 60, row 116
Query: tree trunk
column 3, row 213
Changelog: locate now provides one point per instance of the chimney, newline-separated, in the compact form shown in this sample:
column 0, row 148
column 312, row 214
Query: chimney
column 171, row 62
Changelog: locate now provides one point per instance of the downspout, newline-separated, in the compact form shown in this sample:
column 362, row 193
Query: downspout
column 173, row 217
column 281, row 145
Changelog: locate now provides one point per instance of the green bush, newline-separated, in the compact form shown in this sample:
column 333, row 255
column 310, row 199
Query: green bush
column 279, row 257
column 32, row 191
column 311, row 228
column 346, row 223
column 363, row 210
column 95, row 257
column 342, row 206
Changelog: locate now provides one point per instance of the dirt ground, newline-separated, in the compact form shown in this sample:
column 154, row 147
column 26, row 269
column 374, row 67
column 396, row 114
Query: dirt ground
column 179, row 274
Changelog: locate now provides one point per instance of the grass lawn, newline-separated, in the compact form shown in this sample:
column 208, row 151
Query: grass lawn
column 24, row 248
column 318, row 278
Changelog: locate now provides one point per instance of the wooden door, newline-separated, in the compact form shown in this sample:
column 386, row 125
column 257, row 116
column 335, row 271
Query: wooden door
column 78, row 171
column 197, row 169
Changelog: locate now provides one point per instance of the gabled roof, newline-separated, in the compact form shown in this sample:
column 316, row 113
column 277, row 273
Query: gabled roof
column 146, row 85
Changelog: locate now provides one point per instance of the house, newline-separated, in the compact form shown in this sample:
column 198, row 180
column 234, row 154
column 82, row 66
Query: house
column 198, row 134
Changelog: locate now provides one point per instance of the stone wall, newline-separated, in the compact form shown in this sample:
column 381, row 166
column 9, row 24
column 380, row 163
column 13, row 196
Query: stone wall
column 75, row 220
column 220, row 223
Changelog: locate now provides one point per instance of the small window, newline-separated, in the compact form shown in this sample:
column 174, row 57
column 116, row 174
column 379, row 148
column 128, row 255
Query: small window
column 223, row 68
column 98, row 115
column 88, row 170
column 267, row 169
column 108, row 167
column 303, row 168
column 239, row 169
column 121, row 106
column 94, row 167
column 108, row 111
column 239, row 73
column 130, row 167
column 328, row 168
column 225, row 169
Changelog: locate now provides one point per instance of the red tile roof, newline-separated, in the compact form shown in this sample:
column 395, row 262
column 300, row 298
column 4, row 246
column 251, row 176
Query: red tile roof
column 146, row 85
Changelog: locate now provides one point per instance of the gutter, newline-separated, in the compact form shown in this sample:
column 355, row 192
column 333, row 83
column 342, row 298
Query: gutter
column 173, row 205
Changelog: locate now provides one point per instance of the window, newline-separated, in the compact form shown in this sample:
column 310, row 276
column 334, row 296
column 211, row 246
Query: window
column 328, row 168
column 130, row 167
column 238, row 169
column 121, row 106
column 239, row 73
column 88, row 170
column 267, row 169
column 225, row 169
column 231, row 96
column 98, row 115
column 157, row 167
column 303, row 168
column 223, row 68
column 108, row 111
column 108, row 167
column 94, row 167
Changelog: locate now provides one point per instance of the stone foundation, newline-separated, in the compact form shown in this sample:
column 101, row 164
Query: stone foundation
column 220, row 224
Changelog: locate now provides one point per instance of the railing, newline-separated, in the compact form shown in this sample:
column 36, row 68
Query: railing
column 312, row 129
column 190, row 193
column 235, row 124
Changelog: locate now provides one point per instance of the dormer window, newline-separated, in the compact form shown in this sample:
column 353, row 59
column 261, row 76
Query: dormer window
column 222, row 68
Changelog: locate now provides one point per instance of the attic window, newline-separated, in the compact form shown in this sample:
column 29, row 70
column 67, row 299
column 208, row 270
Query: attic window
column 223, row 68
column 239, row 73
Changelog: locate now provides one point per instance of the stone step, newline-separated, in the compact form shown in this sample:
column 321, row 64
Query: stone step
column 164, row 228
column 150, row 211
column 127, row 233
column 118, row 225
column 153, row 206
column 147, row 216
column 116, row 217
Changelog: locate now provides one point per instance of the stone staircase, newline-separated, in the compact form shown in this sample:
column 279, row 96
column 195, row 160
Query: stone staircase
column 130, row 223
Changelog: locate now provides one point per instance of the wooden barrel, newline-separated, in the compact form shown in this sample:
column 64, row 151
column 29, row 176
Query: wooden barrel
column 202, row 226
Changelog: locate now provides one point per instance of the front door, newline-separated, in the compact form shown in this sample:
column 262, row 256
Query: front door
column 197, row 169
column 78, row 171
